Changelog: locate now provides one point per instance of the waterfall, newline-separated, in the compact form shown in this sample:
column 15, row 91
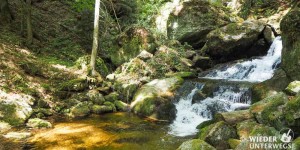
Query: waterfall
column 225, row 98
column 256, row 70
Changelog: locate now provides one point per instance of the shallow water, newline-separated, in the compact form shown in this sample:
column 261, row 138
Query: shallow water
column 110, row 131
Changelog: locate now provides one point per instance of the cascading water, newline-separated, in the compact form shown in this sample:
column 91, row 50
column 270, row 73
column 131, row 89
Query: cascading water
column 256, row 70
column 226, row 97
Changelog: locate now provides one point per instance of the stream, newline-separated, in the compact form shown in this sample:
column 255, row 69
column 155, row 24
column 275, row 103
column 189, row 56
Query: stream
column 224, row 89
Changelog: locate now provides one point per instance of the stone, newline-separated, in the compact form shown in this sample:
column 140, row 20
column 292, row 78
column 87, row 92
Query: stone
column 80, row 110
column 95, row 97
column 17, row 135
column 144, row 55
column 234, row 117
column 195, row 144
column 234, row 41
column 38, row 123
column 293, row 88
column 233, row 143
column 112, row 97
column 202, row 62
column 244, row 128
column 4, row 127
column 121, row 106
column 268, row 34
column 192, row 20
column 218, row 134
column 153, row 98
column 97, row 109
column 75, row 85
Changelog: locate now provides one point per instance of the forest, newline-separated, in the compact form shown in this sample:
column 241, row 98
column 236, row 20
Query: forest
column 149, row 74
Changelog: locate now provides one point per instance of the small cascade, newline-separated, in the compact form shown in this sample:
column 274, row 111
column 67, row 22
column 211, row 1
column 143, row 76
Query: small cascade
column 225, row 97
column 189, row 115
column 256, row 70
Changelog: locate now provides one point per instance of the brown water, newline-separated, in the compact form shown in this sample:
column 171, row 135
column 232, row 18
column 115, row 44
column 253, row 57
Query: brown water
column 122, row 131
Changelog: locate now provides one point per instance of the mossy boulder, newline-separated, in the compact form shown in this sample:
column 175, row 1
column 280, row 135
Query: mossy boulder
column 195, row 144
column 80, row 110
column 235, row 41
column 131, row 43
column 121, row 106
column 291, row 42
column 244, row 128
column 193, row 20
column 218, row 134
column 38, row 123
column 101, row 67
column 101, row 109
column 234, row 117
column 233, row 143
column 154, row 98
column 126, row 89
column 75, row 85
column 293, row 88
column 112, row 105
column 95, row 97
column 112, row 97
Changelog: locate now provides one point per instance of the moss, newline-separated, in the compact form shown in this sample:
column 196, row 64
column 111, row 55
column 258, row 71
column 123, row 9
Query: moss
column 101, row 66
column 146, row 107
column 296, row 144
column 80, row 110
column 112, row 97
column 8, row 112
column 182, row 74
column 73, row 85
column 113, row 107
column 195, row 144
column 244, row 128
column 205, row 124
column 31, row 68
column 97, row 109
column 293, row 88
column 261, row 130
column 292, row 110
column 233, row 143
column 121, row 106
column 38, row 123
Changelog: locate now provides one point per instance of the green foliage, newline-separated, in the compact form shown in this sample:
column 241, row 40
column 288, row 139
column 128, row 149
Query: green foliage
column 83, row 5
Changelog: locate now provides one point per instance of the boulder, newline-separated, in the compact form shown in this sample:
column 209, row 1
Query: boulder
column 218, row 134
column 15, row 109
column 195, row 144
column 97, row 109
column 193, row 20
column 291, row 43
column 144, row 55
column 121, row 106
column 235, row 41
column 38, row 123
column 131, row 43
column 269, row 34
column 244, row 128
column 112, row 97
column 293, row 88
column 95, row 97
column 234, row 117
column 80, row 110
column 154, row 98
column 233, row 143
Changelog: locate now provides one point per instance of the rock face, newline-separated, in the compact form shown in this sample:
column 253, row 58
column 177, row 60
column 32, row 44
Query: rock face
column 153, row 99
column 218, row 134
column 195, row 144
column 193, row 20
column 131, row 43
column 290, row 28
column 235, row 41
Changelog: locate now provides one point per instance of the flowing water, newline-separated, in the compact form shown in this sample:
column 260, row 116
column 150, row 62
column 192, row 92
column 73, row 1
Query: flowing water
column 225, row 97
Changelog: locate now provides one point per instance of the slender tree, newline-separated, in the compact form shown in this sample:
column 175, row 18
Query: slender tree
column 28, row 22
column 95, row 37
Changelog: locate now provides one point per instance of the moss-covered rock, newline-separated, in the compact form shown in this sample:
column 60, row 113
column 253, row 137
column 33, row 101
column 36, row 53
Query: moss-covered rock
column 234, row 117
column 95, row 97
column 97, row 109
column 84, row 61
column 38, row 123
column 235, row 41
column 194, row 20
column 121, row 106
column 293, row 88
column 110, row 104
column 131, row 43
column 73, row 85
column 269, row 110
column 112, row 97
column 244, row 128
column 205, row 124
column 80, row 110
column 291, row 43
column 296, row 144
column 233, row 143
column 153, row 99
column 195, row 144
column 218, row 134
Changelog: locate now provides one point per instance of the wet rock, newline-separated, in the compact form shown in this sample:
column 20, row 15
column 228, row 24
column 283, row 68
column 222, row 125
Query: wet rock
column 195, row 144
column 234, row 41
column 234, row 117
column 193, row 20
column 291, row 43
column 38, row 123
column 153, row 98
column 293, row 88
column 218, row 134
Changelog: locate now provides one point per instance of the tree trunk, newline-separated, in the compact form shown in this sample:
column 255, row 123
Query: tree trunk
column 95, row 37
column 28, row 22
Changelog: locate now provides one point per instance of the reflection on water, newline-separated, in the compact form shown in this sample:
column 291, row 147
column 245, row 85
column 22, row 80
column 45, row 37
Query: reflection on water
column 110, row 131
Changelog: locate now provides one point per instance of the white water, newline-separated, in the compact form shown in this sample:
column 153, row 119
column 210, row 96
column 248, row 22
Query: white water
column 256, row 70
column 225, row 98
